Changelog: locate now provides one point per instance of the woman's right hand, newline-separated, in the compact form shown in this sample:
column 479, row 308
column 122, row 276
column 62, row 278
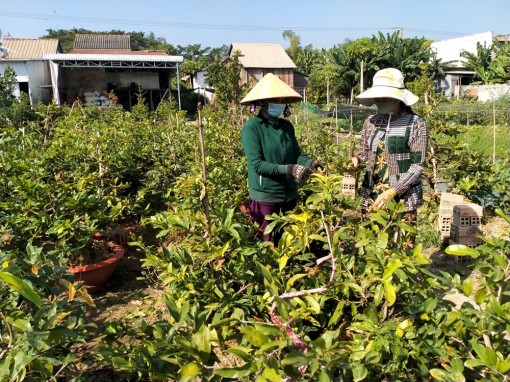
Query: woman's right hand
column 355, row 163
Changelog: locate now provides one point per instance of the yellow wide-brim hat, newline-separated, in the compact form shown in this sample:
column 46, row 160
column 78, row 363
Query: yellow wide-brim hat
column 270, row 86
column 388, row 83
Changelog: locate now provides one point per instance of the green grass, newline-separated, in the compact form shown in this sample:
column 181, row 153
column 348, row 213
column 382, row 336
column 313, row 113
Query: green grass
column 481, row 139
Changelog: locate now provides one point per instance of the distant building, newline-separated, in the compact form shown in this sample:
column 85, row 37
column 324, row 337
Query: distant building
column 97, row 66
column 258, row 59
column 33, row 74
column 102, row 64
column 449, row 52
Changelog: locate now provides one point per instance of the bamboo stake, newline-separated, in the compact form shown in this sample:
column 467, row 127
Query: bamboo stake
column 205, row 201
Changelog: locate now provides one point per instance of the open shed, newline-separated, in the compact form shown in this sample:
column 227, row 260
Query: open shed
column 104, row 65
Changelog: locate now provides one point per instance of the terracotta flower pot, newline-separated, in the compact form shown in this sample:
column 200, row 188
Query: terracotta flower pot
column 95, row 275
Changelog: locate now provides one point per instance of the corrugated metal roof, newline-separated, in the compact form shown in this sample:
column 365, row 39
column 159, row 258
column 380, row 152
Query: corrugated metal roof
column 114, row 57
column 120, row 51
column 502, row 37
column 259, row 55
column 29, row 48
column 102, row 41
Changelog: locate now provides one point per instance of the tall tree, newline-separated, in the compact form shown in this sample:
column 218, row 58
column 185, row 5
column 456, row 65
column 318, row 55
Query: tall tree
column 490, row 64
column 224, row 76
column 405, row 54
column 306, row 59
column 294, row 44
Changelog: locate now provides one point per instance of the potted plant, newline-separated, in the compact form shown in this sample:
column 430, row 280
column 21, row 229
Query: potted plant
column 96, row 262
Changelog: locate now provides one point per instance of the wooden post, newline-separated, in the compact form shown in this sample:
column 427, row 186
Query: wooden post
column 494, row 132
column 361, row 76
column 205, row 201
column 351, row 138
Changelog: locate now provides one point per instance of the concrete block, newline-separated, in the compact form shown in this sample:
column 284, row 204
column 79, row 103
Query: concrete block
column 448, row 201
column 467, row 214
column 470, row 230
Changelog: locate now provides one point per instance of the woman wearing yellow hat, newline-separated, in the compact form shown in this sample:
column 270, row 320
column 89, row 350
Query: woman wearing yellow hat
column 393, row 143
column 275, row 163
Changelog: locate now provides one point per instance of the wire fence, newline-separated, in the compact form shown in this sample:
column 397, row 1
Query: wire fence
column 345, row 117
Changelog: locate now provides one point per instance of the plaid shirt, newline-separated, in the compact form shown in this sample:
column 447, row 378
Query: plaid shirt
column 405, row 147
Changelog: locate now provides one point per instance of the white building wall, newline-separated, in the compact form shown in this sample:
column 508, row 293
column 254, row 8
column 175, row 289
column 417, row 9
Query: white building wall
column 39, row 84
column 450, row 50
column 486, row 92
column 36, row 73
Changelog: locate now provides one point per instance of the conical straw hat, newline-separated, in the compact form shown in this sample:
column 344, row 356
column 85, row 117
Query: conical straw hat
column 270, row 86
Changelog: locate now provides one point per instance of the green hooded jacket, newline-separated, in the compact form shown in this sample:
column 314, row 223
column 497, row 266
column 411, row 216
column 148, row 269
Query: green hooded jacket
column 270, row 146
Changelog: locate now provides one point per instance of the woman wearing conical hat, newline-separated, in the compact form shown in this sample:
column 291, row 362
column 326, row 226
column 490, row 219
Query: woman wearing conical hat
column 275, row 163
column 393, row 143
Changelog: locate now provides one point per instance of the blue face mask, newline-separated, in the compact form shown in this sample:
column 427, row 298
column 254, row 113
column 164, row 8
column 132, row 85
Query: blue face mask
column 274, row 110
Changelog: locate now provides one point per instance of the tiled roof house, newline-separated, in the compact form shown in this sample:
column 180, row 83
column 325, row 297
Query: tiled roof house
column 258, row 59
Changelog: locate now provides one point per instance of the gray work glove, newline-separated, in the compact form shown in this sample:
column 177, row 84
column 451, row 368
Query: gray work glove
column 299, row 172
column 315, row 165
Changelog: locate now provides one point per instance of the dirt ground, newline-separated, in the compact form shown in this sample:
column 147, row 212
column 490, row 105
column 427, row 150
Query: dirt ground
column 128, row 294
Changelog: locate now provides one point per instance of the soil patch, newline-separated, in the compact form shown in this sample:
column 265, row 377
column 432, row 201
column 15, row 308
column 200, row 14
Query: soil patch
column 126, row 295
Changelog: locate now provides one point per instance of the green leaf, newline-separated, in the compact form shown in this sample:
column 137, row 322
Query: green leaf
column 253, row 336
column 467, row 287
column 21, row 324
column 500, row 213
column 378, row 294
column 337, row 314
column 202, row 341
column 440, row 374
column 237, row 372
column 392, row 266
column 313, row 304
column 293, row 279
column 282, row 262
column 265, row 272
column 406, row 226
column 189, row 372
column 324, row 377
column 474, row 363
column 403, row 327
column 487, row 355
column 314, row 198
column 314, row 236
column 382, row 240
column 430, row 304
column 295, row 358
column 22, row 287
column 122, row 364
column 241, row 353
column 390, row 293
column 379, row 219
column 457, row 366
column 359, row 372
column 496, row 307
column 271, row 375
column 480, row 295
column 462, row 250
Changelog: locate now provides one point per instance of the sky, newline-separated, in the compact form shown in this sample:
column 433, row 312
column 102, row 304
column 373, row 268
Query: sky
column 213, row 23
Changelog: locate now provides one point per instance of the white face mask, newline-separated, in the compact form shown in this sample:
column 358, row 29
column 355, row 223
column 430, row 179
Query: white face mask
column 387, row 106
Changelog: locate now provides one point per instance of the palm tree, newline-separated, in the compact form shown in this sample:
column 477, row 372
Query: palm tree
column 490, row 64
column 479, row 63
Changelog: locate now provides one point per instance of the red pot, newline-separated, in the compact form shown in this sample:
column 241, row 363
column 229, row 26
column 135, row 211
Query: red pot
column 95, row 275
